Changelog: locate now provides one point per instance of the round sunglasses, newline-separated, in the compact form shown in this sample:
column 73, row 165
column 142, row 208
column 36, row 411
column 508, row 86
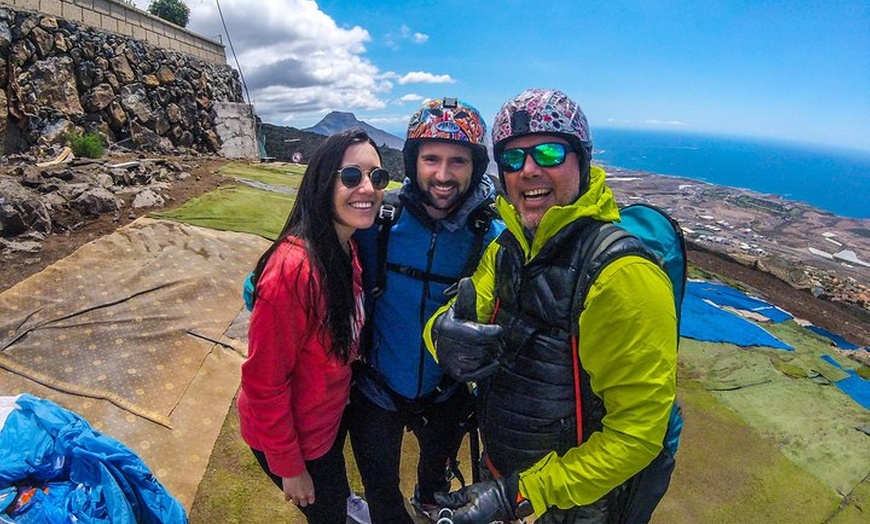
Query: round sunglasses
column 548, row 154
column 351, row 176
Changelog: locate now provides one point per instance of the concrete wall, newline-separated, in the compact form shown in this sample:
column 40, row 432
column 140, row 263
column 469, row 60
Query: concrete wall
column 116, row 17
column 236, row 127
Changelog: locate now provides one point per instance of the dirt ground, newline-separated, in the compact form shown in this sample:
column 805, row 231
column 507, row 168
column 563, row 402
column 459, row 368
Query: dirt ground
column 15, row 267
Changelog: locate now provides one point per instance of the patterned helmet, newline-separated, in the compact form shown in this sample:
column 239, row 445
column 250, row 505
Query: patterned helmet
column 544, row 111
column 447, row 120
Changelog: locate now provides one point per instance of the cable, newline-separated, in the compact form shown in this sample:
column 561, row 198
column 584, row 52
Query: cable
column 233, row 51
column 261, row 151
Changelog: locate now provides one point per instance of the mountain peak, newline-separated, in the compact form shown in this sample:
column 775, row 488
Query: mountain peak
column 337, row 121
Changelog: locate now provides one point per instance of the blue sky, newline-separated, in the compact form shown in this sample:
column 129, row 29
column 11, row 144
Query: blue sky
column 791, row 70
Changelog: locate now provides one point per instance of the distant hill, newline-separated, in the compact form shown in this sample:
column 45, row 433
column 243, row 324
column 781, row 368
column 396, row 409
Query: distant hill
column 283, row 143
column 339, row 121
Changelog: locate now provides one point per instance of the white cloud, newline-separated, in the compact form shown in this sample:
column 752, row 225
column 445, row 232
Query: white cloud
column 411, row 97
column 654, row 122
column 648, row 122
column 389, row 121
column 297, row 62
column 422, row 77
column 405, row 33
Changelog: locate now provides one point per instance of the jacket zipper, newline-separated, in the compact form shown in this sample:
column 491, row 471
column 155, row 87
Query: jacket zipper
column 430, row 256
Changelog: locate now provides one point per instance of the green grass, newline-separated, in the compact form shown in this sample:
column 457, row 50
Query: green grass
column 89, row 145
column 235, row 490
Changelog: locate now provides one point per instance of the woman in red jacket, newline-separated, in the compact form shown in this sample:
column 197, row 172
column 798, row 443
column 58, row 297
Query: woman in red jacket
column 305, row 328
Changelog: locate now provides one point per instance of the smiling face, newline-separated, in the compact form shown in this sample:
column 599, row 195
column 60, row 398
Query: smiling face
column 535, row 189
column 355, row 207
column 443, row 175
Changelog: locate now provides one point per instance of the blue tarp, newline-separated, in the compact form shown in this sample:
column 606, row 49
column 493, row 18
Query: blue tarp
column 854, row 386
column 724, row 295
column 79, row 475
column 702, row 321
column 838, row 341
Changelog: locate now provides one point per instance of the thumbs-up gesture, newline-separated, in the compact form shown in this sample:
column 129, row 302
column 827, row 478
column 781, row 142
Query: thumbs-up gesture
column 466, row 349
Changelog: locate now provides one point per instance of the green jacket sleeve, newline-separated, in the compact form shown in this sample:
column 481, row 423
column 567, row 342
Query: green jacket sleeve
column 628, row 346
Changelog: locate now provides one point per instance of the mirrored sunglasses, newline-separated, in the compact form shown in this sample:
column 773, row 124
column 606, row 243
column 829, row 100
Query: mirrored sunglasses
column 548, row 154
column 351, row 176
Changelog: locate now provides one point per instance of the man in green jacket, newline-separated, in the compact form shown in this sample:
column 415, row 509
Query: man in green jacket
column 574, row 402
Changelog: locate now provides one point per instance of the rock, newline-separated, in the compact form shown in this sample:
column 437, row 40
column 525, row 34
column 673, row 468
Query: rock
column 95, row 201
column 147, row 198
column 43, row 40
column 22, row 246
column 56, row 69
column 20, row 211
column 150, row 80
column 135, row 101
column 98, row 98
column 121, row 68
column 52, row 84
column 55, row 131
column 165, row 75
column 31, row 176
column 143, row 137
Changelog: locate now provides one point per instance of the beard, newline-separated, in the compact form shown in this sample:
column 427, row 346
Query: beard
column 443, row 204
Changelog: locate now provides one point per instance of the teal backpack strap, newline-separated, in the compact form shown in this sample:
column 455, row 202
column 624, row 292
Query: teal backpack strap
column 661, row 233
column 600, row 244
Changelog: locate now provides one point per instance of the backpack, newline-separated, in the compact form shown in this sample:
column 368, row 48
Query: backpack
column 661, row 240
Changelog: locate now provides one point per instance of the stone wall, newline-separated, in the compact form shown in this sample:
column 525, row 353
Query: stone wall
column 60, row 76
column 116, row 17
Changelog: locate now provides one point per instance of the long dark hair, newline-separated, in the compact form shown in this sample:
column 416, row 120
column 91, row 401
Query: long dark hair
column 311, row 220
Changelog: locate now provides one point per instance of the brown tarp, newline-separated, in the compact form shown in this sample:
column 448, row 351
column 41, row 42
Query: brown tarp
column 121, row 332
column 128, row 318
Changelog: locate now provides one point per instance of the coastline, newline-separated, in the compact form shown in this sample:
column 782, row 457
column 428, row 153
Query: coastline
column 810, row 248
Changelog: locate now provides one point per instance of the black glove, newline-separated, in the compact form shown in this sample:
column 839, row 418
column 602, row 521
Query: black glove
column 466, row 349
column 485, row 502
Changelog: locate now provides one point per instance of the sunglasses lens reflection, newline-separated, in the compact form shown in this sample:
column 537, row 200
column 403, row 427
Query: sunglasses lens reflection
column 380, row 178
column 351, row 176
column 512, row 159
column 549, row 154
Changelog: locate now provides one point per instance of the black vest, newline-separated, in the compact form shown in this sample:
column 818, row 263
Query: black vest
column 528, row 407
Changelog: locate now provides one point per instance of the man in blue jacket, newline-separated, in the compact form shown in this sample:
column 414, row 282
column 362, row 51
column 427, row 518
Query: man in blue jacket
column 430, row 234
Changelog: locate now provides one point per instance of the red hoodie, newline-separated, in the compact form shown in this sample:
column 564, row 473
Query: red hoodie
column 293, row 389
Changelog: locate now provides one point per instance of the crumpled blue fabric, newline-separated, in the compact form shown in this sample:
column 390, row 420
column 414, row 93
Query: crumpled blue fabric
column 84, row 476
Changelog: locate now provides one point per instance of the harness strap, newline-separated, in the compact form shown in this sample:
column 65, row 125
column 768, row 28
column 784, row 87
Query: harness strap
column 417, row 274
column 480, row 222
column 388, row 214
column 578, row 405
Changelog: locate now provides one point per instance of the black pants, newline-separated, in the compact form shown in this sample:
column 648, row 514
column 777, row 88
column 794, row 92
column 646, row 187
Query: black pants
column 329, row 475
column 376, row 437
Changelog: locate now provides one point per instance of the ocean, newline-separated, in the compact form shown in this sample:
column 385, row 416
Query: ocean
column 836, row 180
